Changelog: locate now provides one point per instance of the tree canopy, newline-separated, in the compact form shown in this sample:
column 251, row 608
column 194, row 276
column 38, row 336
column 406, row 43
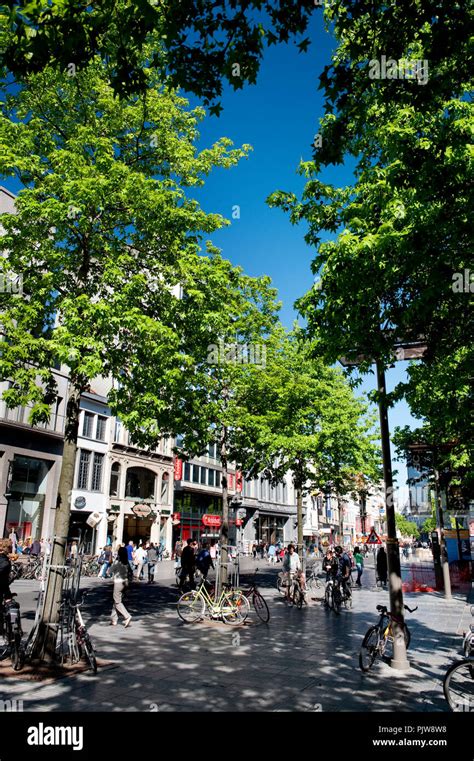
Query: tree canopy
column 196, row 43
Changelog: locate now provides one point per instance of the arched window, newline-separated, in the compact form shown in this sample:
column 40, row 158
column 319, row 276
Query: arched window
column 140, row 483
column 165, row 488
column 114, row 480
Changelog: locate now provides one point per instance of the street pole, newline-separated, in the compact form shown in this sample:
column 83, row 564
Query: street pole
column 440, row 529
column 399, row 660
column 224, row 534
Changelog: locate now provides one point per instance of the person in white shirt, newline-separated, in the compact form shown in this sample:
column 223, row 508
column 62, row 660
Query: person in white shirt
column 291, row 566
column 119, row 570
column 141, row 557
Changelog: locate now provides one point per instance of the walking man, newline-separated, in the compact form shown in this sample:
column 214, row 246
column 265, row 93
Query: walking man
column 152, row 557
column 120, row 576
column 188, row 564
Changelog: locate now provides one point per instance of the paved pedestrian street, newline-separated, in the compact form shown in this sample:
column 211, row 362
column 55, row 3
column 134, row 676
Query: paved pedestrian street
column 303, row 660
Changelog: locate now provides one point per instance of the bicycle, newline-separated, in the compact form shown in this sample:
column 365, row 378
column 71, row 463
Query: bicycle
column 298, row 592
column 10, row 626
column 313, row 581
column 232, row 607
column 258, row 601
column 379, row 636
column 458, row 682
column 79, row 644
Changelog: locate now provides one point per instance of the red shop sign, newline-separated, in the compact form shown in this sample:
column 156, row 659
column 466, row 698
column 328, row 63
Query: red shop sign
column 178, row 469
column 212, row 520
column 238, row 481
column 238, row 521
column 176, row 518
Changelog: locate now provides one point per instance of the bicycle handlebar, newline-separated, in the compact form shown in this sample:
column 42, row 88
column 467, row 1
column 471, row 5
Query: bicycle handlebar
column 410, row 610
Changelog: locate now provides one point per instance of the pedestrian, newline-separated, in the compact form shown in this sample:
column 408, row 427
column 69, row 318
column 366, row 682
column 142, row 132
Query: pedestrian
column 130, row 556
column 120, row 570
column 213, row 550
column 13, row 537
column 160, row 550
column 73, row 551
column 359, row 561
column 382, row 566
column 188, row 564
column 291, row 566
column 140, row 559
column 271, row 553
column 35, row 549
column 204, row 561
column 107, row 559
column 152, row 557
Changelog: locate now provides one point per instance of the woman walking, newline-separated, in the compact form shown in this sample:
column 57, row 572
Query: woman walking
column 120, row 575
column 359, row 561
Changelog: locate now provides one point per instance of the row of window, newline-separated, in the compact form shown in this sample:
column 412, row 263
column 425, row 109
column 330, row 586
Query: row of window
column 197, row 474
column 211, row 449
column 140, row 482
column 90, row 478
column 260, row 488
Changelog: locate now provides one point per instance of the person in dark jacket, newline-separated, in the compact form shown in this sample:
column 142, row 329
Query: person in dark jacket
column 5, row 569
column 382, row 565
column 204, row 561
column 188, row 564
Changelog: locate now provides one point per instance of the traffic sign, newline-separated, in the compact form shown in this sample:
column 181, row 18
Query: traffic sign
column 373, row 538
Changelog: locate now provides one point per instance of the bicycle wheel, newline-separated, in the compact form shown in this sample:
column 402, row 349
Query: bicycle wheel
column 260, row 607
column 38, row 574
column 281, row 587
column 336, row 600
column 458, row 685
column 16, row 653
column 88, row 651
column 191, row 607
column 235, row 608
column 369, row 649
column 328, row 597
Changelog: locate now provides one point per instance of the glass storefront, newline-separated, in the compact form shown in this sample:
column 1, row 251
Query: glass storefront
column 26, row 491
column 270, row 528
column 191, row 507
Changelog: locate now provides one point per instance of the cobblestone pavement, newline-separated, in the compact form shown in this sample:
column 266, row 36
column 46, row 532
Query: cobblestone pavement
column 303, row 660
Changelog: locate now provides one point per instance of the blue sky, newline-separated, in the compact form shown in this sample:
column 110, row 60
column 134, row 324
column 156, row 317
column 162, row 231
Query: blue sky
column 279, row 117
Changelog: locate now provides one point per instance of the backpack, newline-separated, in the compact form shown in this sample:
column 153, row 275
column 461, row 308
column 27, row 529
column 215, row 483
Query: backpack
column 101, row 558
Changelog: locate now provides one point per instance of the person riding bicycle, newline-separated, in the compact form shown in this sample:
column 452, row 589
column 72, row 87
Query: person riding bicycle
column 330, row 565
column 291, row 566
column 344, row 570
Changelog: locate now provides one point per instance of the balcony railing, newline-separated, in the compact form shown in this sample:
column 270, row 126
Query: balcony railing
column 18, row 416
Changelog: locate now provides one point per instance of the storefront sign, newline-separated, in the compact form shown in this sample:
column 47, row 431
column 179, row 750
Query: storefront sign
column 238, row 521
column 178, row 469
column 231, row 481
column 212, row 520
column 80, row 502
column 141, row 511
column 176, row 519
column 238, row 481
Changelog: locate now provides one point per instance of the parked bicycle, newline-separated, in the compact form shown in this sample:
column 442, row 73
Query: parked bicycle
column 11, row 632
column 312, row 580
column 298, row 592
column 74, row 641
column 379, row 638
column 458, row 683
column 231, row 606
column 256, row 599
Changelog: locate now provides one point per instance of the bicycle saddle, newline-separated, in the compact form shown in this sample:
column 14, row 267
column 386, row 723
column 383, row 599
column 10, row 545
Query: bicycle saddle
column 382, row 608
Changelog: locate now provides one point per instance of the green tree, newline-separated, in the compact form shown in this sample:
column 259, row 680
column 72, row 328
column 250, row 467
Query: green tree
column 104, row 237
column 312, row 426
column 197, row 43
column 400, row 232
column 406, row 527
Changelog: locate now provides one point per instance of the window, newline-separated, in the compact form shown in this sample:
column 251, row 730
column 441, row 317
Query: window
column 195, row 474
column 118, row 427
column 83, row 477
column 187, row 471
column 100, row 428
column 213, row 451
column 218, row 479
column 203, row 475
column 97, row 472
column 165, row 482
column 87, row 424
column 114, row 480
column 211, row 477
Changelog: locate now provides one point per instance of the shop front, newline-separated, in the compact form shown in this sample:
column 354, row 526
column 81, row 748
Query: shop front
column 198, row 516
column 25, row 495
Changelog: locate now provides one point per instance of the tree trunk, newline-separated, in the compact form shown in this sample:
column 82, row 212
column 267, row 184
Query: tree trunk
column 399, row 659
column 224, row 535
column 45, row 647
column 299, row 515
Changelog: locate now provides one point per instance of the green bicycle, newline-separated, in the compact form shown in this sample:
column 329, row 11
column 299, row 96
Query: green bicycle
column 232, row 607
